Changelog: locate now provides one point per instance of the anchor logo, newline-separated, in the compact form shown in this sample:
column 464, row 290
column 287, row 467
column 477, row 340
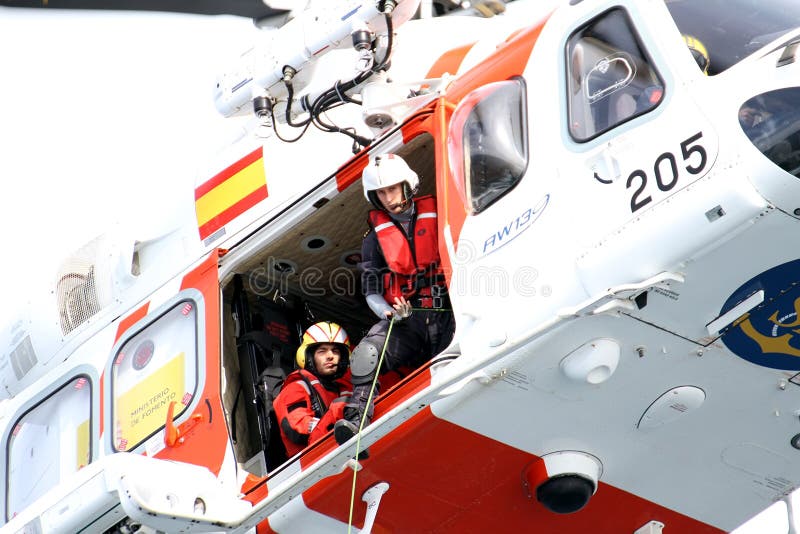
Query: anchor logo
column 769, row 335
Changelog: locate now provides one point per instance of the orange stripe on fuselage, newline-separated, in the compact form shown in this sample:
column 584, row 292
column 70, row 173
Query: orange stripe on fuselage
column 449, row 62
column 509, row 60
column 472, row 483
column 205, row 442
column 352, row 172
column 130, row 320
column 416, row 126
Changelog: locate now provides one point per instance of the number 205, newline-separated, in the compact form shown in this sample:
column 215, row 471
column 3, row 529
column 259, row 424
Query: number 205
column 665, row 171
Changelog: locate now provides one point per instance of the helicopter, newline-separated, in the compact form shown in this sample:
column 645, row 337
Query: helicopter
column 617, row 197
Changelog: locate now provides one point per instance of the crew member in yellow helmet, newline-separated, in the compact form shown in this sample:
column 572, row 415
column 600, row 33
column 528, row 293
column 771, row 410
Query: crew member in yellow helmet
column 699, row 52
column 313, row 397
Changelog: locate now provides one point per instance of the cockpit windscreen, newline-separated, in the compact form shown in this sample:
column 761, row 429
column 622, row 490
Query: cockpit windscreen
column 727, row 31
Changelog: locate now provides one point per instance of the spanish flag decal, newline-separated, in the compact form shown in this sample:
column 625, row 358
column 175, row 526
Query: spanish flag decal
column 230, row 193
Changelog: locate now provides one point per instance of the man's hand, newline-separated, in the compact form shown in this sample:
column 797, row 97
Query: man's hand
column 402, row 308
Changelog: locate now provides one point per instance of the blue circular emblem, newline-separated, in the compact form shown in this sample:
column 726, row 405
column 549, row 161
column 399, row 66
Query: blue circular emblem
column 769, row 334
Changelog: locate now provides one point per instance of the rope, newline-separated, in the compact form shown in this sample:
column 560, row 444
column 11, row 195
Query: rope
column 361, row 425
column 364, row 415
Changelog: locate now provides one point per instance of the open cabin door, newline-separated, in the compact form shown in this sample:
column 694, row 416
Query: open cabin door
column 265, row 333
column 296, row 270
column 163, row 378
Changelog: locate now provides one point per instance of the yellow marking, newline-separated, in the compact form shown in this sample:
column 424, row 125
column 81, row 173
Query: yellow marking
column 796, row 322
column 82, row 445
column 230, row 192
column 143, row 408
column 774, row 345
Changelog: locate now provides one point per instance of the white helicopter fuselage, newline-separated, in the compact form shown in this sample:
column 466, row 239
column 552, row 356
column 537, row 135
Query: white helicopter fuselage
column 620, row 255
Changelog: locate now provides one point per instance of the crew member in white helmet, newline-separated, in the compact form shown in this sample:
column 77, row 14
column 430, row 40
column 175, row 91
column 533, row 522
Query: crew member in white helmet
column 401, row 272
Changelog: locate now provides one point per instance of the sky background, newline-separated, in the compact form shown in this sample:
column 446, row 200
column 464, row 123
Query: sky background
column 106, row 118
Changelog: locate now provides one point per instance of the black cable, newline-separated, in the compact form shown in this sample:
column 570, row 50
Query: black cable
column 335, row 96
column 342, row 95
column 339, row 89
column 390, row 29
column 322, row 125
column 289, row 97
column 332, row 128
column 278, row 135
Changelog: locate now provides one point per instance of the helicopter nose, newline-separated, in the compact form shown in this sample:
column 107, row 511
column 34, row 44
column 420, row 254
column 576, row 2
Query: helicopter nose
column 771, row 121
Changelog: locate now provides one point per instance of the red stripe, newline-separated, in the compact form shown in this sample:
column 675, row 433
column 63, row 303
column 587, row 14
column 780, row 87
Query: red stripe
column 264, row 528
column 324, row 335
column 472, row 483
column 338, row 329
column 508, row 60
column 204, row 188
column 205, row 437
column 234, row 211
column 352, row 172
column 130, row 320
column 421, row 124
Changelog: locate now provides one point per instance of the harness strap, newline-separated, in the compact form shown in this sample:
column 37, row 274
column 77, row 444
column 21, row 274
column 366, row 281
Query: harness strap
column 316, row 400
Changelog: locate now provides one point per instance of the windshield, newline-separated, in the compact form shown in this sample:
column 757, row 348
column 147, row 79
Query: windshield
column 731, row 30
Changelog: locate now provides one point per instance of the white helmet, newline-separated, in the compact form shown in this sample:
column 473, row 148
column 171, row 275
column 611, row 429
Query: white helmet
column 385, row 170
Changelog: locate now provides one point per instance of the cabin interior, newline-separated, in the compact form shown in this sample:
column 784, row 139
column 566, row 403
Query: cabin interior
column 299, row 277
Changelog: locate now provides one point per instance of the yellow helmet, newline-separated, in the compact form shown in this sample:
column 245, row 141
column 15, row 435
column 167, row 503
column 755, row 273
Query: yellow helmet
column 699, row 52
column 323, row 332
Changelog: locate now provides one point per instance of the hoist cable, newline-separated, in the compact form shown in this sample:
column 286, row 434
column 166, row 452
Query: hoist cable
column 361, row 426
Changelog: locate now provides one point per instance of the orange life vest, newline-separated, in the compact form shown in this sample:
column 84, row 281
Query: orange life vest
column 414, row 261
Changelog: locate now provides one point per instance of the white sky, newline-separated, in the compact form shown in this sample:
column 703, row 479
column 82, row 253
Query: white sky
column 105, row 118
column 102, row 118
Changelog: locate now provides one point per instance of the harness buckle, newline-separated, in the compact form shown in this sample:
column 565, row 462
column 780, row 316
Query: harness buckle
column 437, row 294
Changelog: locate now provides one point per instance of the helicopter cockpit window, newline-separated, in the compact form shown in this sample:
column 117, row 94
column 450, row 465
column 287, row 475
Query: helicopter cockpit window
column 727, row 31
column 610, row 77
column 48, row 443
column 772, row 123
column 488, row 143
column 152, row 370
